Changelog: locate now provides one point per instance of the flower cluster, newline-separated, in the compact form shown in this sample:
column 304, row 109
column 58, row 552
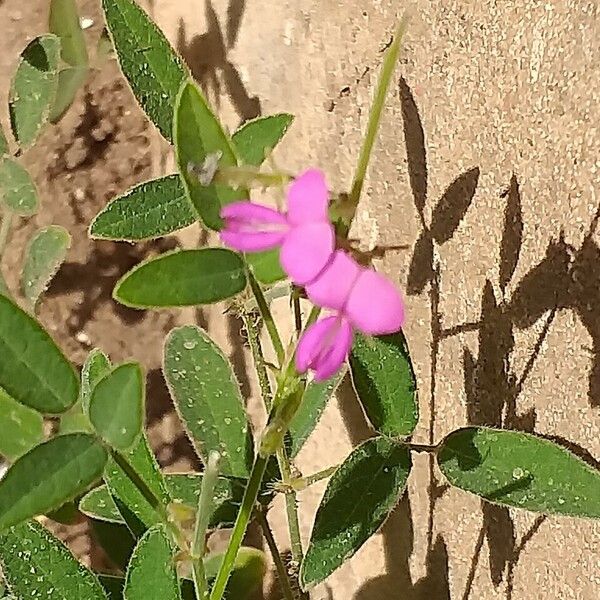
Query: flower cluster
column 358, row 297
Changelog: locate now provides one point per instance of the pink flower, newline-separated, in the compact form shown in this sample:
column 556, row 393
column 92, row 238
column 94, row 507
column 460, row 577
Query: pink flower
column 306, row 236
column 363, row 300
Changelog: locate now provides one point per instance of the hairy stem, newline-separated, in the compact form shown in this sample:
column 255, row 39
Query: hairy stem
column 282, row 574
column 239, row 529
column 250, row 323
column 205, row 508
column 387, row 71
column 265, row 312
column 291, row 506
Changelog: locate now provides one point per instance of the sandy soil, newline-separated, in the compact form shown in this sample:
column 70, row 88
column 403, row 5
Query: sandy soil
column 503, row 315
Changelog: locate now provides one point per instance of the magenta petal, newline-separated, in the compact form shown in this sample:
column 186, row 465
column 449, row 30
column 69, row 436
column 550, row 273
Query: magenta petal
column 375, row 306
column 324, row 347
column 306, row 250
column 332, row 287
column 307, row 198
column 251, row 213
column 252, row 227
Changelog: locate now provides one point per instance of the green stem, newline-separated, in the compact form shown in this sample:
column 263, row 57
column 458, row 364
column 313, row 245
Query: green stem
column 265, row 312
column 301, row 483
column 387, row 71
column 282, row 574
column 205, row 508
column 258, row 357
column 239, row 529
column 291, row 506
column 153, row 500
column 5, row 230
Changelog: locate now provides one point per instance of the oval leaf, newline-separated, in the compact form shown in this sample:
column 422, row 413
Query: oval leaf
column 385, row 383
column 149, row 210
column 153, row 69
column 247, row 575
column 183, row 488
column 359, row 497
column 197, row 134
column 255, row 139
column 116, row 407
column 208, row 399
column 49, row 476
column 37, row 565
column 151, row 571
column 64, row 23
column 32, row 369
column 47, row 250
column 34, row 88
column 96, row 366
column 183, row 278
column 521, row 470
column 17, row 190
column 140, row 514
column 22, row 427
column 313, row 404
column 266, row 266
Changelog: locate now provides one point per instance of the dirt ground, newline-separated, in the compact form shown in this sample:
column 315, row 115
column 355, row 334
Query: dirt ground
column 504, row 326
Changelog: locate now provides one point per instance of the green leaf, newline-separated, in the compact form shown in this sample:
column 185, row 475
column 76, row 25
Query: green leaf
column 198, row 134
column 45, row 253
column 266, row 266
column 32, row 369
column 359, row 497
column 37, row 565
column 150, row 210
column 313, row 404
column 521, row 470
column 255, row 139
column 208, row 399
column 17, row 190
column 153, row 69
column 183, row 488
column 98, row 504
column 117, row 406
column 143, row 461
column 385, row 383
column 70, row 80
column 33, row 88
column 249, row 569
column 96, row 366
column 21, row 428
column 50, row 475
column 151, row 571
column 183, row 278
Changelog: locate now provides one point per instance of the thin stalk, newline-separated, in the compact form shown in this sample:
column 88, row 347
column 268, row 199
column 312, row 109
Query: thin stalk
column 297, row 312
column 282, row 574
column 259, row 359
column 387, row 71
column 265, row 312
column 301, row 483
column 291, row 506
column 205, row 508
column 239, row 529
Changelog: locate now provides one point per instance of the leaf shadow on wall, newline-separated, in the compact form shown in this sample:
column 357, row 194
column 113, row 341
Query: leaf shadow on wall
column 207, row 57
